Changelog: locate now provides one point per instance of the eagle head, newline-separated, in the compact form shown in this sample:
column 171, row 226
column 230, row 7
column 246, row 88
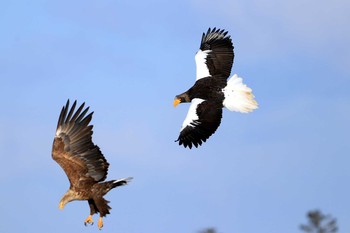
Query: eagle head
column 67, row 197
column 183, row 98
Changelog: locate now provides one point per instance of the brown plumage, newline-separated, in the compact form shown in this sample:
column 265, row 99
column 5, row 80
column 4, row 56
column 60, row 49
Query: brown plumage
column 83, row 162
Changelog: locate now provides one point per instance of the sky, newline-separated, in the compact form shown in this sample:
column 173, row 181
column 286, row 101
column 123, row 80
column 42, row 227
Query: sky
column 259, row 173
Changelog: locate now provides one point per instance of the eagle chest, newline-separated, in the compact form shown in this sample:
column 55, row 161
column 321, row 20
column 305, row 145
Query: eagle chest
column 207, row 88
column 84, row 194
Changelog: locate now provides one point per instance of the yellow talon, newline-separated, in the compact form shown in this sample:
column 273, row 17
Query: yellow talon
column 89, row 220
column 100, row 223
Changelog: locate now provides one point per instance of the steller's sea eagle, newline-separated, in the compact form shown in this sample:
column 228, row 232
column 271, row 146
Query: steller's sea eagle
column 83, row 162
column 211, row 91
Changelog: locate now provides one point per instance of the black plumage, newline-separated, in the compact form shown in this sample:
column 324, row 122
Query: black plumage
column 220, row 59
column 214, row 62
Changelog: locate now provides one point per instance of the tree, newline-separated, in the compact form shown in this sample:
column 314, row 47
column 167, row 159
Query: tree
column 319, row 223
column 208, row 230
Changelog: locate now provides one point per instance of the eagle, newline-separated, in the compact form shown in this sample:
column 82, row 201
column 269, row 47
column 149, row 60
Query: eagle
column 83, row 162
column 212, row 92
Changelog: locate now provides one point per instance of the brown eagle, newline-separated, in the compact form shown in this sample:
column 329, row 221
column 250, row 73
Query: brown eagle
column 83, row 162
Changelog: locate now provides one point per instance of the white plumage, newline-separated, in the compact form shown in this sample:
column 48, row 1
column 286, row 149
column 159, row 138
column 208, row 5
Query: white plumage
column 127, row 180
column 192, row 113
column 238, row 96
column 202, row 70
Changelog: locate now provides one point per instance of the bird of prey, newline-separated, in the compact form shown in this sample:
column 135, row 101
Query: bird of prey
column 212, row 91
column 83, row 162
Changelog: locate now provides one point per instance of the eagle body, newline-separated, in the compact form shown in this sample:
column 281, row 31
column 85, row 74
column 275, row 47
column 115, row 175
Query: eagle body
column 205, row 88
column 83, row 162
column 211, row 91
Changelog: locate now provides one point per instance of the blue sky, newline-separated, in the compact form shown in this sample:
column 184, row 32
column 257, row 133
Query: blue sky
column 259, row 173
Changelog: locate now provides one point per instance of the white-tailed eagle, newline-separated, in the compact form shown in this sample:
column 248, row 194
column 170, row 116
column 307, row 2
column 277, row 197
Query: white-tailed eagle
column 83, row 162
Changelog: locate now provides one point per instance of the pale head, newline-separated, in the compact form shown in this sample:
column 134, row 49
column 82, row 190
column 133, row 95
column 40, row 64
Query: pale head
column 67, row 197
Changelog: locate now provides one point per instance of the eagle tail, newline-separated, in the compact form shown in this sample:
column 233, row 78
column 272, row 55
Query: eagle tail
column 238, row 96
column 120, row 182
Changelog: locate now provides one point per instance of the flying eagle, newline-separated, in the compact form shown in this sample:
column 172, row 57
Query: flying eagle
column 83, row 162
column 211, row 91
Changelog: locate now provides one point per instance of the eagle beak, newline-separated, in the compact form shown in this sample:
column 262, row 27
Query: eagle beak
column 61, row 206
column 176, row 101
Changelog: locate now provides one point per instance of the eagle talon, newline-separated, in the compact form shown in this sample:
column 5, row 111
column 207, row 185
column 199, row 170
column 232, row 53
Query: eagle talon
column 89, row 220
column 100, row 223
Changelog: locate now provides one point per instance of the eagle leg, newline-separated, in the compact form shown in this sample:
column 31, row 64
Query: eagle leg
column 100, row 223
column 89, row 220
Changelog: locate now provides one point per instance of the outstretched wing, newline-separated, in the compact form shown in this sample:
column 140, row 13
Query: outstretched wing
column 74, row 150
column 202, row 120
column 215, row 56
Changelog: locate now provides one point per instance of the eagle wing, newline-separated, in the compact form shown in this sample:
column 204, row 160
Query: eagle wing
column 74, row 150
column 215, row 56
column 202, row 120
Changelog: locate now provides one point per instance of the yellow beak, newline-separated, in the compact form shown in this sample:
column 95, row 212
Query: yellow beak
column 61, row 206
column 176, row 102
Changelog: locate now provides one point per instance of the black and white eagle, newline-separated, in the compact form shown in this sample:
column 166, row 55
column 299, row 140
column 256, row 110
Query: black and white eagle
column 212, row 91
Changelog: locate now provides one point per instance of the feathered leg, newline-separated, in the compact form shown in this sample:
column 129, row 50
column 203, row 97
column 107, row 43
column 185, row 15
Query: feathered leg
column 93, row 210
column 103, row 207
column 101, row 204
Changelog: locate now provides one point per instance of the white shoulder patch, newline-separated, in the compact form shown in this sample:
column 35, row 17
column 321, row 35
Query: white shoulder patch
column 238, row 96
column 202, row 70
column 192, row 113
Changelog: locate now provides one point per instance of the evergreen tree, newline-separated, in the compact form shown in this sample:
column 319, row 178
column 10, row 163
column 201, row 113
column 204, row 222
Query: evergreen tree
column 319, row 223
column 208, row 230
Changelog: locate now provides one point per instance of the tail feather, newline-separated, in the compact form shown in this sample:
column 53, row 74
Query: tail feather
column 120, row 182
column 238, row 96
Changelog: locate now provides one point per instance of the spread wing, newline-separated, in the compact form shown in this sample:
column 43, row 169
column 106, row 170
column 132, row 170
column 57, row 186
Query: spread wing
column 202, row 120
column 215, row 56
column 74, row 150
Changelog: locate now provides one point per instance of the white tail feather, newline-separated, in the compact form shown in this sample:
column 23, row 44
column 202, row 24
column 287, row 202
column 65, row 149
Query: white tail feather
column 127, row 180
column 238, row 96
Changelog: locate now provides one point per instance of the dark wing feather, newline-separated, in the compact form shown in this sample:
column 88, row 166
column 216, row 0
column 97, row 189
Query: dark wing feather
column 220, row 58
column 74, row 150
column 198, row 131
